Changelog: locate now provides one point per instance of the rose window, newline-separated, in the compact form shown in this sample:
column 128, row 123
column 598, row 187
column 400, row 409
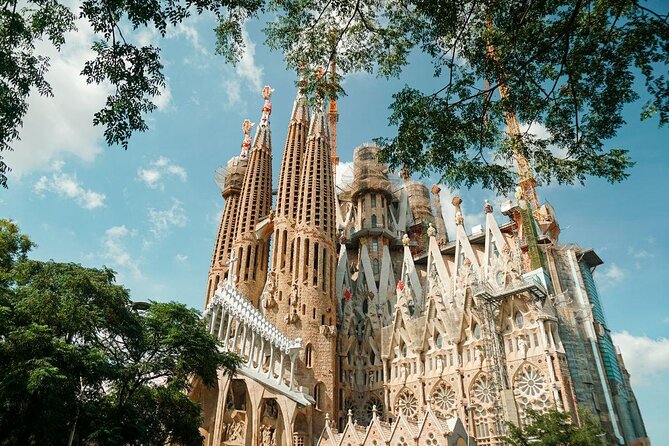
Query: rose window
column 444, row 399
column 531, row 383
column 407, row 404
column 484, row 390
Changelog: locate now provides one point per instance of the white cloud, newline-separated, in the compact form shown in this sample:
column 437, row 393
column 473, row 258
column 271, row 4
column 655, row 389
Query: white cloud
column 181, row 258
column 246, row 68
column 613, row 273
column 152, row 175
column 67, row 186
column 645, row 358
column 247, row 72
column 344, row 174
column 61, row 126
column 161, row 221
column 639, row 253
column 116, row 251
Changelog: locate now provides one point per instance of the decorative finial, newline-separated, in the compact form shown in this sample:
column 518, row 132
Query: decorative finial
column 327, row 419
column 267, row 108
column 459, row 219
column 435, row 190
column 487, row 207
column 350, row 416
column 519, row 193
column 246, row 144
column 405, row 173
column 406, row 240
column 231, row 267
column 431, row 232
column 374, row 412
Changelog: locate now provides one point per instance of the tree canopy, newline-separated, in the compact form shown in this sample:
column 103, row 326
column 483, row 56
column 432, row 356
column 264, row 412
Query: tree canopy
column 564, row 69
column 555, row 428
column 80, row 364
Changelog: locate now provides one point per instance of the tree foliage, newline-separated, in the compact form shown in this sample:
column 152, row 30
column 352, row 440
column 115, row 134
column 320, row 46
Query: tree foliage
column 78, row 361
column 134, row 71
column 556, row 429
column 566, row 69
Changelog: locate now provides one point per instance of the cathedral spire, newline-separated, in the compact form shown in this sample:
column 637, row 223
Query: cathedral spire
column 256, row 201
column 333, row 119
column 314, row 265
column 230, row 179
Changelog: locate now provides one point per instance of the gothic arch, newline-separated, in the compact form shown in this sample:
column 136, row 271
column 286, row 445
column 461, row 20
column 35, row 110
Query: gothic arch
column 485, row 419
column 531, row 390
column 271, row 431
column 444, row 399
column 237, row 417
column 406, row 402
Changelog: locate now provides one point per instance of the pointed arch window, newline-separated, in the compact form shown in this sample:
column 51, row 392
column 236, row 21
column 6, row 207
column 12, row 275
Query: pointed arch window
column 375, row 266
column 373, row 200
column 373, row 220
column 375, row 245
column 308, row 353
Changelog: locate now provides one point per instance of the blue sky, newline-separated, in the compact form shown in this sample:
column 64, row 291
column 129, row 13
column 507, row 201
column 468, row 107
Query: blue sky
column 151, row 213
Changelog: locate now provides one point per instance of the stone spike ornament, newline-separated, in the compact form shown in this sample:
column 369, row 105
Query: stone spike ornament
column 246, row 143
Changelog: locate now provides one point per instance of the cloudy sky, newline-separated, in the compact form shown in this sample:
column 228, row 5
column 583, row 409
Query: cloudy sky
column 151, row 212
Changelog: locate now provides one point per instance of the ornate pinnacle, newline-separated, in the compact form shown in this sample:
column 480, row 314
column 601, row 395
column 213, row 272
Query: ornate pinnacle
column 267, row 108
column 487, row 207
column 246, row 144
column 459, row 219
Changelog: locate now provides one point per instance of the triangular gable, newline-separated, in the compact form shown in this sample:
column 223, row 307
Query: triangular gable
column 494, row 241
column 410, row 277
column 399, row 331
column 402, row 428
column 463, row 250
column 387, row 286
column 366, row 270
column 328, row 436
column 350, row 434
column 375, row 432
column 432, row 424
column 437, row 272
column 342, row 277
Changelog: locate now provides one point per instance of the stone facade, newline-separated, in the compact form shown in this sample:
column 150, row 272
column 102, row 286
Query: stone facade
column 369, row 314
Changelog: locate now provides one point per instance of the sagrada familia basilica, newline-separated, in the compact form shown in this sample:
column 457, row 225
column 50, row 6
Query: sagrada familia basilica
column 361, row 321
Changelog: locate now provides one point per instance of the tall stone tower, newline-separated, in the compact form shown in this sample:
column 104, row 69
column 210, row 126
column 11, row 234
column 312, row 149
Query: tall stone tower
column 255, row 204
column 312, row 295
column 286, row 204
column 230, row 179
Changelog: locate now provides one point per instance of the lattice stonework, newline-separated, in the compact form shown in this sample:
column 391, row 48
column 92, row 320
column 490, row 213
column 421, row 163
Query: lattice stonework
column 443, row 400
column 484, row 390
column 407, row 403
column 531, row 390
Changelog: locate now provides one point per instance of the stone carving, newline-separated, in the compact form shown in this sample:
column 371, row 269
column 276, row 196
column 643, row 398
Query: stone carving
column 233, row 432
column 292, row 318
column 328, row 330
column 267, row 436
column 522, row 347
column 459, row 218
column 431, row 232
column 267, row 297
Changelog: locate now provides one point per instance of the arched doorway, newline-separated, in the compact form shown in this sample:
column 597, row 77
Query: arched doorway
column 237, row 422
